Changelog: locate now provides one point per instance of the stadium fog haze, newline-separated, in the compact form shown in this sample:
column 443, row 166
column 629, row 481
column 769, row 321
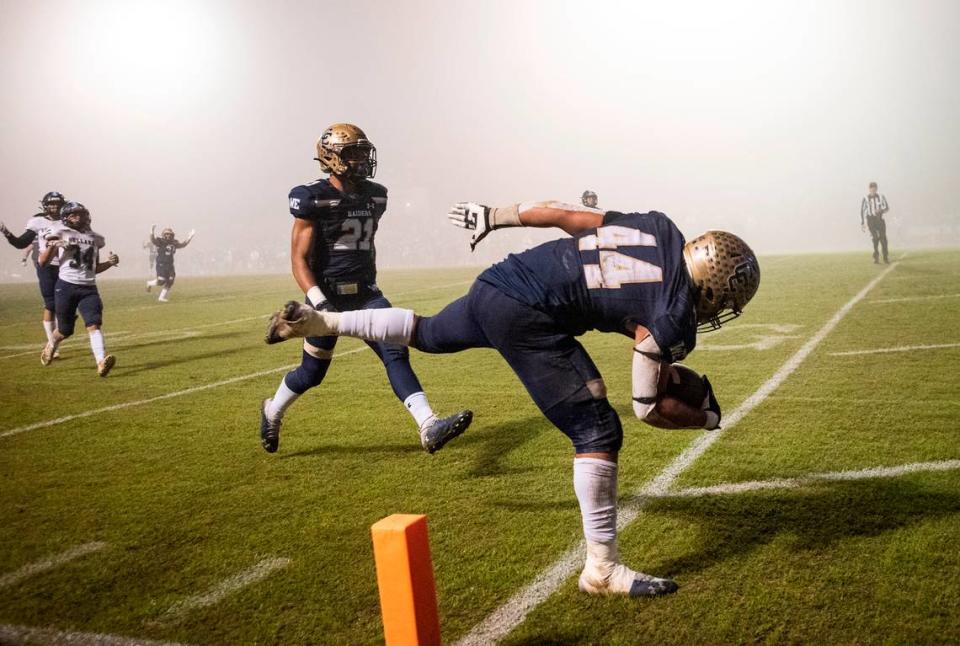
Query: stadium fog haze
column 766, row 119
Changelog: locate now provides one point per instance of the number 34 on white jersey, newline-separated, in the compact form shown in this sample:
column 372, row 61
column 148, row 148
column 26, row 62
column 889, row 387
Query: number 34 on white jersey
column 79, row 255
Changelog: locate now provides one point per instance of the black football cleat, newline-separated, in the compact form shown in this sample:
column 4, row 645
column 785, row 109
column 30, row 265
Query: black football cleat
column 442, row 430
column 269, row 430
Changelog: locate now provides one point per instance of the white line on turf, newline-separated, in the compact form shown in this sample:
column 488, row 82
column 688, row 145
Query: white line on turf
column 49, row 563
column 258, row 572
column 903, row 299
column 901, row 348
column 512, row 613
column 813, row 478
column 24, row 635
column 150, row 400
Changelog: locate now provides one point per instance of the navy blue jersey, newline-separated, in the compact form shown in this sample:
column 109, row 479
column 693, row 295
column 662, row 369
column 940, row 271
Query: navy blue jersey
column 165, row 252
column 629, row 270
column 344, row 227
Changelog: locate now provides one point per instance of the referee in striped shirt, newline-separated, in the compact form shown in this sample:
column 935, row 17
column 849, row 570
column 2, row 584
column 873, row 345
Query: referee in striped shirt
column 872, row 209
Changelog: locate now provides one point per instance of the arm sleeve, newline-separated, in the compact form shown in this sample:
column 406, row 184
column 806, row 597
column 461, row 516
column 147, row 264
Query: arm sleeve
column 301, row 203
column 646, row 376
column 22, row 241
column 863, row 210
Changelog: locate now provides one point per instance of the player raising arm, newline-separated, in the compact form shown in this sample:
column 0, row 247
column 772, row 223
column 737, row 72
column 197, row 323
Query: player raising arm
column 628, row 273
column 37, row 228
column 166, row 246
column 77, row 247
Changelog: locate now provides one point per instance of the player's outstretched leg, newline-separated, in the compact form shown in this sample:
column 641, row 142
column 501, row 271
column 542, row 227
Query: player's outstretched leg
column 595, row 483
column 389, row 325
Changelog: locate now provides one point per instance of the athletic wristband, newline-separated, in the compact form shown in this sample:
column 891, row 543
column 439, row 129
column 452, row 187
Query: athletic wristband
column 713, row 420
column 315, row 296
column 508, row 216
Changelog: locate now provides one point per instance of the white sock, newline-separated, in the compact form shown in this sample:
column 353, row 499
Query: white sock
column 595, row 482
column 281, row 401
column 163, row 293
column 390, row 325
column 419, row 407
column 152, row 283
column 96, row 344
column 49, row 327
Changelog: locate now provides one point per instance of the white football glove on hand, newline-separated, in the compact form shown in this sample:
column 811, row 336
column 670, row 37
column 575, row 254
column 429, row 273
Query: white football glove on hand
column 473, row 217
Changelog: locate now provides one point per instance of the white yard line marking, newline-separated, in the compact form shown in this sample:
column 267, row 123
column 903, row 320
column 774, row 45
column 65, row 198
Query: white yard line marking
column 512, row 613
column 150, row 400
column 24, row 635
column 813, row 478
column 258, row 572
column 49, row 563
column 904, row 299
column 901, row 348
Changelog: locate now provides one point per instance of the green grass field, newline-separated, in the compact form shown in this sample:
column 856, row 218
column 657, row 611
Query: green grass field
column 174, row 496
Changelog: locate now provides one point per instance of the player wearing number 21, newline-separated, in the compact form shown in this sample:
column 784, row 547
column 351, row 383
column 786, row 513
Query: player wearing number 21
column 77, row 247
column 334, row 262
column 625, row 273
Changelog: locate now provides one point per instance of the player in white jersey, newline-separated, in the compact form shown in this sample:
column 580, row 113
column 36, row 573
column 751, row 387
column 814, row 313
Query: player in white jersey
column 36, row 231
column 77, row 247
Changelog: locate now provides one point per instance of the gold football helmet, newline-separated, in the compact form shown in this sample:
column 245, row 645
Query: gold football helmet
column 725, row 275
column 343, row 149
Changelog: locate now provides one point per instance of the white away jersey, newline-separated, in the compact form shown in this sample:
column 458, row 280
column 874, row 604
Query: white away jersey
column 79, row 259
column 43, row 227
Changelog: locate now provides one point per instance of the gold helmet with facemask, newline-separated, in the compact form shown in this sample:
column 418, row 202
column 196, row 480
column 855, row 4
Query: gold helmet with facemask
column 343, row 149
column 724, row 274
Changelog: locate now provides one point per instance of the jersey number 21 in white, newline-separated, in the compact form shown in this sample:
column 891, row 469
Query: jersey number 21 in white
column 357, row 234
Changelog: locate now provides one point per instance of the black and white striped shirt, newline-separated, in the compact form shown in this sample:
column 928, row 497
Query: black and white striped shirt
column 872, row 206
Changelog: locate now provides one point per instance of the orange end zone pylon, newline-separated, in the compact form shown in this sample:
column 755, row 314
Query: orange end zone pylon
column 408, row 595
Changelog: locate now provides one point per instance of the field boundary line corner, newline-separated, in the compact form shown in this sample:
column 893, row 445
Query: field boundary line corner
column 514, row 611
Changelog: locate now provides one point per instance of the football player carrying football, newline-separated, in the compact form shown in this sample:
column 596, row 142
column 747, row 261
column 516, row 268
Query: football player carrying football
column 628, row 273
column 166, row 246
column 37, row 228
column 333, row 257
column 77, row 247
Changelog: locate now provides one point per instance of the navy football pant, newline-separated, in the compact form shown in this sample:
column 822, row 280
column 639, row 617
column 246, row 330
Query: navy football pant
column 395, row 358
column 47, row 277
column 70, row 298
column 555, row 369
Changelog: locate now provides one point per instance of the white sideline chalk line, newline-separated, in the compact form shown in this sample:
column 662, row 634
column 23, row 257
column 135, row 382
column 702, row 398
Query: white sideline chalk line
column 150, row 400
column 49, row 563
column 913, row 298
column 214, row 595
column 901, row 348
column 813, row 478
column 24, row 635
column 512, row 613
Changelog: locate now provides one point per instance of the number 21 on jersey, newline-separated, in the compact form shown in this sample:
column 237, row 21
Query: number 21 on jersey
column 357, row 234
column 615, row 268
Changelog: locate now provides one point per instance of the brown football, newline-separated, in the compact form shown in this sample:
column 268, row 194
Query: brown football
column 686, row 385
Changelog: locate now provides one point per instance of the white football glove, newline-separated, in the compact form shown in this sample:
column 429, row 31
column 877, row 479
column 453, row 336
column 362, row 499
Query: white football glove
column 473, row 217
